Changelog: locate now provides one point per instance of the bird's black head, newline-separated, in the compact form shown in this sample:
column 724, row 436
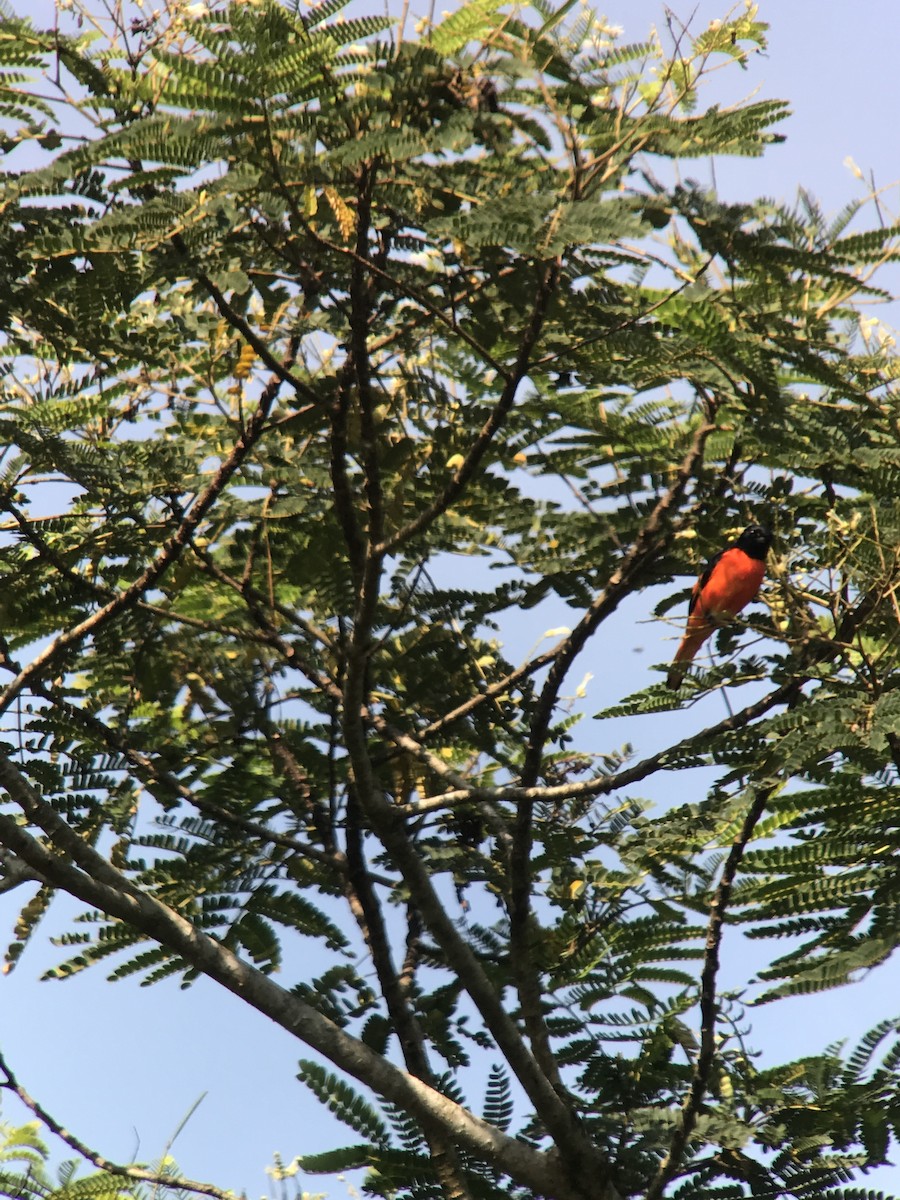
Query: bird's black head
column 755, row 541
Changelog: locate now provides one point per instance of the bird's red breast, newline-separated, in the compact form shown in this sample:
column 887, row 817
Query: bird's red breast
column 729, row 583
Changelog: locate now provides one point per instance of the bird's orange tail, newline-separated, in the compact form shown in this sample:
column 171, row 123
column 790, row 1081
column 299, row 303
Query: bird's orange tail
column 684, row 656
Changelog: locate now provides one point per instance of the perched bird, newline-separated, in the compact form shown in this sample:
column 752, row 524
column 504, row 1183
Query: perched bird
column 730, row 580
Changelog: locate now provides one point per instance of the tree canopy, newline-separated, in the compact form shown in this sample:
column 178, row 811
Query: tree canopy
column 329, row 346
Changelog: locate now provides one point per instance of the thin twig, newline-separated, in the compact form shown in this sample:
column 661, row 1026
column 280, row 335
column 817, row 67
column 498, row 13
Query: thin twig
column 629, row 322
column 165, row 556
column 135, row 1174
column 491, row 692
column 647, row 546
column 281, row 370
column 548, row 279
column 813, row 653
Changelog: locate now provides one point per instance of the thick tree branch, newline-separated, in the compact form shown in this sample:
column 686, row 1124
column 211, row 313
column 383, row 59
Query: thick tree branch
column 709, row 1005
column 359, row 890
column 361, row 305
column 355, row 717
column 93, row 880
column 344, row 506
column 582, row 1160
column 365, row 906
column 370, row 919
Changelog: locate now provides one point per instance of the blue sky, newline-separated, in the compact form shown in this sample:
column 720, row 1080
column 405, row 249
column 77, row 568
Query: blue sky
column 121, row 1065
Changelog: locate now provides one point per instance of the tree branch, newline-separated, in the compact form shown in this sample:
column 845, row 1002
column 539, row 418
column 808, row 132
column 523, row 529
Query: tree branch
column 582, row 1160
column 14, row 872
column 646, row 547
column 356, row 716
column 365, row 906
column 164, row 558
column 548, row 278
column 360, row 316
column 135, row 1174
column 709, row 1006
column 812, row 653
column 491, row 692
column 281, row 370
column 605, row 784
column 93, row 880
column 408, row 292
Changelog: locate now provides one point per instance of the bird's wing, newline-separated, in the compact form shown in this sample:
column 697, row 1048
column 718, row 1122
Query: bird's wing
column 704, row 580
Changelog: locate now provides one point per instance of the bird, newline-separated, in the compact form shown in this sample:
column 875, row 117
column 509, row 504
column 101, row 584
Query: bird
column 729, row 581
